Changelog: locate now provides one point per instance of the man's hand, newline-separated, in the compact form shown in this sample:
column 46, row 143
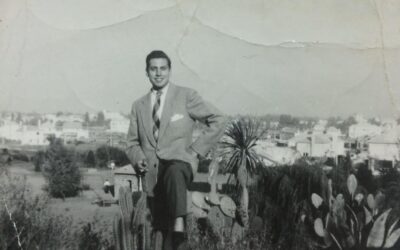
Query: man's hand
column 142, row 166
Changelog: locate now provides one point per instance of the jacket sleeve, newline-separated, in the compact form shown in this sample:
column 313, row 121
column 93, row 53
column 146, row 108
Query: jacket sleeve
column 210, row 116
column 133, row 148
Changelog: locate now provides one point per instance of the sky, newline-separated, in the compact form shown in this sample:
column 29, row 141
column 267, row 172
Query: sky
column 305, row 58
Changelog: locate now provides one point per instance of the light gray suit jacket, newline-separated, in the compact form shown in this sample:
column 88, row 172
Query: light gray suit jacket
column 182, row 108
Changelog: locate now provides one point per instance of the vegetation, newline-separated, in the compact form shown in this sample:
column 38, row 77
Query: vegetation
column 352, row 221
column 28, row 222
column 61, row 171
column 90, row 160
column 39, row 160
column 105, row 154
column 242, row 160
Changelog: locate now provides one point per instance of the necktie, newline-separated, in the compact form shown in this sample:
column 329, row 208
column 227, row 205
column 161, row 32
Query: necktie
column 156, row 118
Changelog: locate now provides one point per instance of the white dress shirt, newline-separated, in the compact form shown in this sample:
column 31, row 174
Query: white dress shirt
column 162, row 99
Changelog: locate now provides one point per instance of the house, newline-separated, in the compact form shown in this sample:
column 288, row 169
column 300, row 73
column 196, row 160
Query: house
column 73, row 131
column 120, row 125
column 313, row 145
column 112, row 115
column 33, row 135
column 285, row 135
column 273, row 155
column 319, row 128
column 384, row 148
column 126, row 177
column 10, row 130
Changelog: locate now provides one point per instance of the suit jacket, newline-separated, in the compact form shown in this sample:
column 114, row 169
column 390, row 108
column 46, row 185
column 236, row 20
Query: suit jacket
column 182, row 108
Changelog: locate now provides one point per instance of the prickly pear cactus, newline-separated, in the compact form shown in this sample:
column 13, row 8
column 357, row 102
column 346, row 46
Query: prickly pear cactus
column 343, row 227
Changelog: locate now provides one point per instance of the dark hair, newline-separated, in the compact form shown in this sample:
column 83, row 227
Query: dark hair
column 157, row 54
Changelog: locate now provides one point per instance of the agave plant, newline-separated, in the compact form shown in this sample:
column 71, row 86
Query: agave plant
column 346, row 227
column 242, row 160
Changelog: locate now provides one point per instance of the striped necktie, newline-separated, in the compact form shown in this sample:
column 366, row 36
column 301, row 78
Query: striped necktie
column 156, row 118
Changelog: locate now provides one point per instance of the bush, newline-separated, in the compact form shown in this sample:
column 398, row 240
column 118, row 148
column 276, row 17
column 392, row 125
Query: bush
column 282, row 197
column 366, row 179
column 21, row 157
column 95, row 235
column 39, row 160
column 90, row 160
column 61, row 171
column 105, row 153
column 37, row 227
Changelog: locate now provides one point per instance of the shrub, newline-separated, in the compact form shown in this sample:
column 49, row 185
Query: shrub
column 21, row 157
column 105, row 153
column 26, row 222
column 281, row 200
column 366, row 179
column 95, row 235
column 39, row 160
column 90, row 160
column 61, row 171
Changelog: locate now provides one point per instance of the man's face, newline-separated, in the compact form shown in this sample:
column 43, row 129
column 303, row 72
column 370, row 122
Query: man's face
column 158, row 72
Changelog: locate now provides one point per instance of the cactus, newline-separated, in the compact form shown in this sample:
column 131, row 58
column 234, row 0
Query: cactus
column 343, row 227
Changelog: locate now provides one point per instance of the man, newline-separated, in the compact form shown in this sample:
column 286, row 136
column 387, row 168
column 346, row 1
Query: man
column 160, row 144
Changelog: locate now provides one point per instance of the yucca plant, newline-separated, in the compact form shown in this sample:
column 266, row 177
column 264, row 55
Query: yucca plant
column 241, row 159
column 356, row 222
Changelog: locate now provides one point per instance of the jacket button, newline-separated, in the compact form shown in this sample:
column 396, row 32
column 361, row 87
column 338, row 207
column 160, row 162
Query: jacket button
column 155, row 165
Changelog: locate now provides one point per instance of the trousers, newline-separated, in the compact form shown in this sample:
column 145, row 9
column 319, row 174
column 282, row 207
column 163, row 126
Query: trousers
column 170, row 192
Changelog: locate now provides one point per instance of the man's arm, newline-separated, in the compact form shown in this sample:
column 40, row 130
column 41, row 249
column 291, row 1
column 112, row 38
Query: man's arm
column 210, row 116
column 133, row 148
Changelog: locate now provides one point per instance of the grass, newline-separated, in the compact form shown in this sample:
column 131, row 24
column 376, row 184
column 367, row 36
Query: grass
column 79, row 208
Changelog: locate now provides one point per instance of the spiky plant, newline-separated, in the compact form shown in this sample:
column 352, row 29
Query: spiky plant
column 242, row 160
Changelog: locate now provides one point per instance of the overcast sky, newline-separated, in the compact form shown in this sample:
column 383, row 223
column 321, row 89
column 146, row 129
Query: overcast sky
column 316, row 58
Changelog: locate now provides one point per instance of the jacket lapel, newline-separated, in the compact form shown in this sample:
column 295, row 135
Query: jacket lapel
column 167, row 110
column 147, row 119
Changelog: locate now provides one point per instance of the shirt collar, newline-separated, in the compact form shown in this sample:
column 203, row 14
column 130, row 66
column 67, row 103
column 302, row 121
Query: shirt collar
column 164, row 89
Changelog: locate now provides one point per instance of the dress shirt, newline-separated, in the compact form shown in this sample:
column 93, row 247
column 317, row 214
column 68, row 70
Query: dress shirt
column 162, row 99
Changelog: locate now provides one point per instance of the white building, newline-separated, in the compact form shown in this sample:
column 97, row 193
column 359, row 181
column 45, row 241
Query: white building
column 112, row 115
column 385, row 147
column 72, row 131
column 10, row 130
column 274, row 156
column 319, row 145
column 119, row 125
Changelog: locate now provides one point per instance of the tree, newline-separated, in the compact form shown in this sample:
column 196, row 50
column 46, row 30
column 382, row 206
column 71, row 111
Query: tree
column 105, row 154
column 19, row 118
column 86, row 119
column 242, row 160
column 39, row 160
column 61, row 171
column 90, row 160
column 100, row 119
column 344, row 126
